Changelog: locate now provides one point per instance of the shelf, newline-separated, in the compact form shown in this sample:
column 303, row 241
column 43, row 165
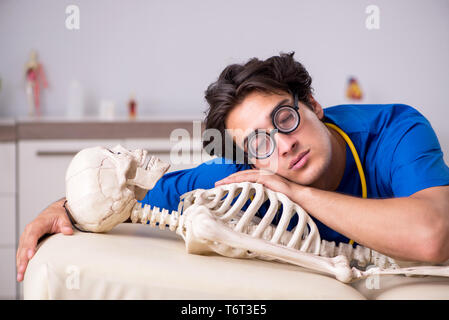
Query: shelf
column 94, row 128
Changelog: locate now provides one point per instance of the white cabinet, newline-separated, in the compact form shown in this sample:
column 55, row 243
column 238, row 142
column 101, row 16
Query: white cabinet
column 42, row 168
column 7, row 272
column 8, row 167
column 8, row 218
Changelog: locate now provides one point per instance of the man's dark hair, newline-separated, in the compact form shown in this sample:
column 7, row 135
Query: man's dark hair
column 275, row 75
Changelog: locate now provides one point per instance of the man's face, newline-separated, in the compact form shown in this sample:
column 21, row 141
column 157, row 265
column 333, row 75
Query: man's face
column 311, row 140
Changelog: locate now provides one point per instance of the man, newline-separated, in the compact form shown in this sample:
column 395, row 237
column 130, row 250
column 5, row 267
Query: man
column 327, row 160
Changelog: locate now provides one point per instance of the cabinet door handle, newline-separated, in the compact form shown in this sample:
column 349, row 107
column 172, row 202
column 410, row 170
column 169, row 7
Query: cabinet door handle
column 73, row 153
column 56, row 153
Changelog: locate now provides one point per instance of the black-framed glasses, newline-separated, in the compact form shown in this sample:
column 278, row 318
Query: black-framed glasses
column 260, row 144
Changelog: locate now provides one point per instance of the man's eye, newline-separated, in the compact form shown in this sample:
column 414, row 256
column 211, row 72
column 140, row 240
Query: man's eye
column 286, row 119
column 262, row 145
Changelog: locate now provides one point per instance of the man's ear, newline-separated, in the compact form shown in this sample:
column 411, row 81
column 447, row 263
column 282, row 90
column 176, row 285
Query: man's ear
column 316, row 107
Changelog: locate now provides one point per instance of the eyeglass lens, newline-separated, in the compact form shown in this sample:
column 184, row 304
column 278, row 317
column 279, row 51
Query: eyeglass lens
column 286, row 119
column 261, row 144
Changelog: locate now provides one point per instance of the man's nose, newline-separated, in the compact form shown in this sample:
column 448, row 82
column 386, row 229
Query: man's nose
column 286, row 143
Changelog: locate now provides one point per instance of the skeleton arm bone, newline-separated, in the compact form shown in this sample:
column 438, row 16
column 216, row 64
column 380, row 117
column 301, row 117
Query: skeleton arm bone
column 203, row 226
column 406, row 228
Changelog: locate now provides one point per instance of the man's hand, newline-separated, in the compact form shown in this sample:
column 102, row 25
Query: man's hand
column 270, row 180
column 51, row 220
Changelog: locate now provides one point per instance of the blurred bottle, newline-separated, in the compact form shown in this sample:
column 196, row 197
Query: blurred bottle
column 132, row 107
column 107, row 109
column 75, row 101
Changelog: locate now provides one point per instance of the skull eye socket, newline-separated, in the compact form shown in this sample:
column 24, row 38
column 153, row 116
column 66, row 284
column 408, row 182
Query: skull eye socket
column 113, row 152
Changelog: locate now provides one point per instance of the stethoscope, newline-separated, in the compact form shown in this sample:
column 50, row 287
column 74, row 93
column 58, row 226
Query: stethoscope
column 357, row 161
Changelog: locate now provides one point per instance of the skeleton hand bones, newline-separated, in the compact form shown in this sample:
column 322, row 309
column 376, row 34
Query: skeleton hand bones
column 103, row 186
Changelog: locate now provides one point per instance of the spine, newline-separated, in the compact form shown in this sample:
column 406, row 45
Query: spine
column 155, row 217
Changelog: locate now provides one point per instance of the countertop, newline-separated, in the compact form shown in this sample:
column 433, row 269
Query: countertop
column 95, row 128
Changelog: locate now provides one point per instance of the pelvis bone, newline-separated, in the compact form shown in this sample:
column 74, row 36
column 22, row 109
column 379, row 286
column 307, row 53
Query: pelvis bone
column 103, row 187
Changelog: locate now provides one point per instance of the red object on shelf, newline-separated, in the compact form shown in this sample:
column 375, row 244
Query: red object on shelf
column 132, row 108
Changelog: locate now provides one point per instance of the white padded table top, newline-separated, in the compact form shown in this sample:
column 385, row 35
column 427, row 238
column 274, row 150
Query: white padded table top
column 139, row 262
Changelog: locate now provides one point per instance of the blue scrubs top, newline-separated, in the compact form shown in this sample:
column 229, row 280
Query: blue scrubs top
column 397, row 147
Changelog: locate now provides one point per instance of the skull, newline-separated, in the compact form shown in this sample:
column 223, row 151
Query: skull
column 102, row 185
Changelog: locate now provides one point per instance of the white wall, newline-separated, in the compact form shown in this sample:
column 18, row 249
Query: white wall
column 169, row 51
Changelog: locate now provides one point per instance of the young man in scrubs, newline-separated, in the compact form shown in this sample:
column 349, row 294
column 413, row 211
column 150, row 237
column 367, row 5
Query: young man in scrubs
column 367, row 174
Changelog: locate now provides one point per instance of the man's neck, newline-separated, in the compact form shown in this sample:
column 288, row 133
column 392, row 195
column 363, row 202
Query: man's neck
column 334, row 174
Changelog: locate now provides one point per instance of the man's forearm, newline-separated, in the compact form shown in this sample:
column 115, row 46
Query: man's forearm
column 405, row 228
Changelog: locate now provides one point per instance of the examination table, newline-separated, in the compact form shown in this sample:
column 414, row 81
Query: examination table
column 139, row 262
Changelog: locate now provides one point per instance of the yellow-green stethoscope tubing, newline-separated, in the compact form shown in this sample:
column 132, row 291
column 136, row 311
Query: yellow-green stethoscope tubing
column 356, row 158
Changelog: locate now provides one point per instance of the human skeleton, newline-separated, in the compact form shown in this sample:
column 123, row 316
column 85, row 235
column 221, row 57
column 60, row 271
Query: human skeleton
column 103, row 186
